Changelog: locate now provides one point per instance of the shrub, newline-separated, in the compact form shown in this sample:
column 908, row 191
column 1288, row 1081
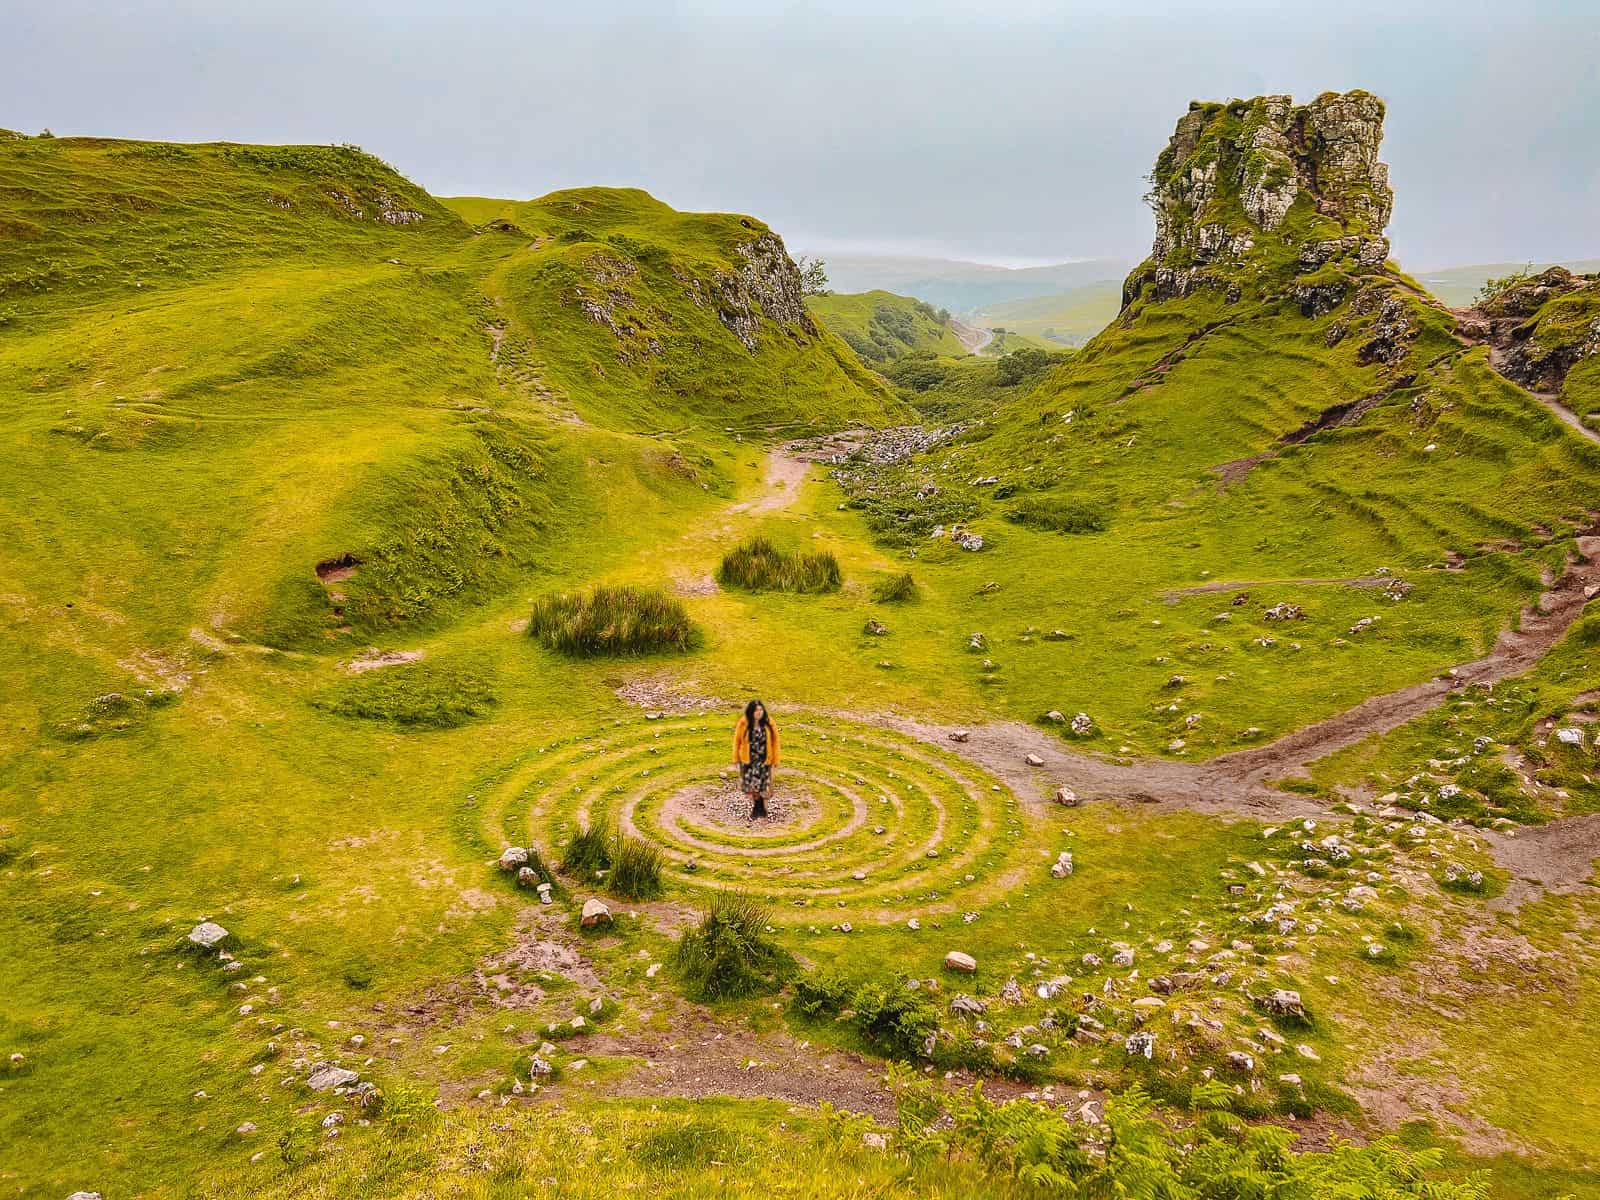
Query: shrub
column 894, row 1018
column 896, row 589
column 758, row 565
column 635, row 868
column 589, row 850
column 728, row 954
column 612, row 621
column 1060, row 515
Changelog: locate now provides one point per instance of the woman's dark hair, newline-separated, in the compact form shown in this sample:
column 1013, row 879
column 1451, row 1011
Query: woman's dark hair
column 750, row 713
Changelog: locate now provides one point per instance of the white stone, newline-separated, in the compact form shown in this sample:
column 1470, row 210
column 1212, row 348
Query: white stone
column 957, row 960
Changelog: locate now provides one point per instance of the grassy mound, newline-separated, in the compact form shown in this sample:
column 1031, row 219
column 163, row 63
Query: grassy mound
column 759, row 566
column 413, row 696
column 612, row 621
column 728, row 954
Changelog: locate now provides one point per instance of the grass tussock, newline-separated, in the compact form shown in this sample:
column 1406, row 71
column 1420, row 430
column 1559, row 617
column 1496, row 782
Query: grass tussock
column 635, row 869
column 896, row 589
column 589, row 850
column 1060, row 515
column 759, row 566
column 612, row 621
column 728, row 955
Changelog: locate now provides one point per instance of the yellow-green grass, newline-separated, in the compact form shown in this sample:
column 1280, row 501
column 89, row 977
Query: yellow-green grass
column 290, row 397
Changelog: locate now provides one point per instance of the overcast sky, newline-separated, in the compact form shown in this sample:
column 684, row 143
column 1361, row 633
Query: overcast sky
column 1015, row 131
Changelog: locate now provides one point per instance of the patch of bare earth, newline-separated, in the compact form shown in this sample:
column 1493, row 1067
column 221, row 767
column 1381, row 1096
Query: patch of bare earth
column 374, row 660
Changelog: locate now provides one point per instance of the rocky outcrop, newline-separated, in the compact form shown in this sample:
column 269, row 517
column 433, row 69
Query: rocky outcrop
column 766, row 282
column 1537, row 328
column 1254, row 190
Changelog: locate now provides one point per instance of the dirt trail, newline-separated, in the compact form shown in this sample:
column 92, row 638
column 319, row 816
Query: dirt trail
column 784, row 476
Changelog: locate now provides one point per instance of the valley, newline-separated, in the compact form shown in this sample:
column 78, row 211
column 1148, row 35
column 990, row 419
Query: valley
column 1190, row 734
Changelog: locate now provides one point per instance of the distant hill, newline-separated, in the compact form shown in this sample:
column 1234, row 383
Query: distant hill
column 881, row 326
column 1068, row 318
column 966, row 287
column 1458, row 286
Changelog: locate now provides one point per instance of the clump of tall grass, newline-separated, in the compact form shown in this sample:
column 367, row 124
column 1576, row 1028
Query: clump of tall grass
column 612, row 621
column 896, row 589
column 635, row 868
column 759, row 566
column 589, row 850
column 1060, row 515
column 728, row 954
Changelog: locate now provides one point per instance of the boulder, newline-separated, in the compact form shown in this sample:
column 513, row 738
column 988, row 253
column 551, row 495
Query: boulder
column 966, row 1005
column 1056, row 717
column 595, row 913
column 1240, row 1061
column 1570, row 737
column 1066, row 797
column 959, row 735
column 1011, row 992
column 539, row 1066
column 527, row 877
column 1282, row 1002
column 208, row 935
column 1082, row 725
column 1033, row 760
column 872, row 1140
column 874, row 628
column 1141, row 1045
column 325, row 1076
column 513, row 859
column 958, row 960
column 1062, row 867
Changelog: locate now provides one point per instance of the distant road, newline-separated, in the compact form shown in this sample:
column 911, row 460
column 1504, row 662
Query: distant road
column 970, row 336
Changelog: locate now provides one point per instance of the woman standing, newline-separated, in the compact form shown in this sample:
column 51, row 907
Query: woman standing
column 755, row 749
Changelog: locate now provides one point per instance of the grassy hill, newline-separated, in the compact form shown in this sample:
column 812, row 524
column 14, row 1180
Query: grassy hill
column 1068, row 318
column 285, row 486
column 880, row 326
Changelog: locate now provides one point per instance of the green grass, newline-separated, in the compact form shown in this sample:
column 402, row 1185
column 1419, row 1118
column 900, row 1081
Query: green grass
column 759, row 566
column 210, row 395
column 895, row 589
column 612, row 621
column 413, row 696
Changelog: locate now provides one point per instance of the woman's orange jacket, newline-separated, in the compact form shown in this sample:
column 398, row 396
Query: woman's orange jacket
column 741, row 743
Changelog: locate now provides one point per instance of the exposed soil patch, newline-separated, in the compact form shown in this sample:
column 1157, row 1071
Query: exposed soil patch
column 510, row 979
column 785, row 474
column 337, row 570
column 694, row 585
column 1558, row 857
column 372, row 661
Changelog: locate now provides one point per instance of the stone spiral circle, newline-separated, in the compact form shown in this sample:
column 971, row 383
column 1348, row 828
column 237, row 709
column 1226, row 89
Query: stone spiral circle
column 867, row 825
